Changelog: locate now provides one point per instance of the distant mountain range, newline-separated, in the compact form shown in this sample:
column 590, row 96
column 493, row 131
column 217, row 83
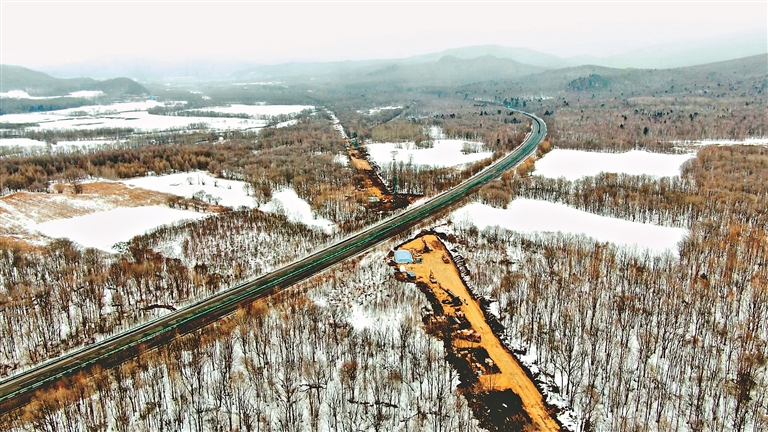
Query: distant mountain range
column 447, row 70
column 672, row 55
column 750, row 72
column 439, row 71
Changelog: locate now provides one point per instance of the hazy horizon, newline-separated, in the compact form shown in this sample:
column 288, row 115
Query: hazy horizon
column 65, row 33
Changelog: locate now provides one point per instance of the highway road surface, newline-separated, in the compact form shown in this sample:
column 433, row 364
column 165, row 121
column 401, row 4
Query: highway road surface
column 18, row 389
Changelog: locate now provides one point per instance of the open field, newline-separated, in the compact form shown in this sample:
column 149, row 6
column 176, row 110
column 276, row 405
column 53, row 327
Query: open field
column 534, row 216
column 574, row 164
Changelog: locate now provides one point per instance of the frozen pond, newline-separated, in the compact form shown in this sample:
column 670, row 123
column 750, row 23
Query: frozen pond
column 575, row 164
column 530, row 216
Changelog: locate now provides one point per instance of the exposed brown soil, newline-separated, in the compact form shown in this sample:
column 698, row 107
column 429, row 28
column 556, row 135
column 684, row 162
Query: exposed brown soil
column 459, row 319
column 19, row 209
column 371, row 183
column 43, row 207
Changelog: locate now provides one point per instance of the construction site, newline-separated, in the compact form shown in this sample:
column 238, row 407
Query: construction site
column 501, row 394
column 380, row 197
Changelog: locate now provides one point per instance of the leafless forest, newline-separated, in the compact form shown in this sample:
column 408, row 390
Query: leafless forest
column 641, row 342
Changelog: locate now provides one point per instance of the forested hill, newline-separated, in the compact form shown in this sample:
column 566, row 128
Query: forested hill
column 40, row 84
column 448, row 70
column 745, row 75
column 47, row 93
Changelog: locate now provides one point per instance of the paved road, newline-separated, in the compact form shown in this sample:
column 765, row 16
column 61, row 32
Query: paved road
column 17, row 390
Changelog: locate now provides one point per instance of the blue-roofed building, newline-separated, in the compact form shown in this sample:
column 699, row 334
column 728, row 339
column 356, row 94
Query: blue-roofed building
column 403, row 257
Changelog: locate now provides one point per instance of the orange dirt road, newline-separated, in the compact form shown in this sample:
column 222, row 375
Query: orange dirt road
column 512, row 376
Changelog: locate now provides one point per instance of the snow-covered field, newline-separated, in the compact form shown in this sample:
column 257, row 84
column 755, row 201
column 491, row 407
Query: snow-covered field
column 574, row 164
column 21, row 94
column 32, row 146
column 260, row 110
column 534, row 216
column 373, row 111
column 118, row 107
column 103, row 229
column 286, row 123
column 230, row 193
column 724, row 142
column 138, row 120
column 445, row 153
column 134, row 115
column 296, row 209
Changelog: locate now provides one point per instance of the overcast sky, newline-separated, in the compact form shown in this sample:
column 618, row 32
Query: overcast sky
column 38, row 34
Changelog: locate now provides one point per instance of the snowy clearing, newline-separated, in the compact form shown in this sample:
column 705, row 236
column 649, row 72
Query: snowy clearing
column 574, row 164
column 286, row 123
column 21, row 94
column 260, row 110
column 373, row 111
column 529, row 216
column 20, row 142
column 444, row 153
column 230, row 193
column 118, row 107
column 134, row 115
column 296, row 210
column 724, row 142
column 145, row 122
column 27, row 145
column 103, row 229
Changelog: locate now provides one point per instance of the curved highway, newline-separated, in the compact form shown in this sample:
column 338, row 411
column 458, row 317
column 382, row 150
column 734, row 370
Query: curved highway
column 18, row 389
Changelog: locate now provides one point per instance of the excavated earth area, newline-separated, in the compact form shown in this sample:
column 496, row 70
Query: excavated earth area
column 503, row 397
column 373, row 186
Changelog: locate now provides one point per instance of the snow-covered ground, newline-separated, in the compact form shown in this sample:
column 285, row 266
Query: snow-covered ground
column 724, row 142
column 286, row 123
column 436, row 133
column 230, row 193
column 296, row 209
column 337, row 124
column 444, row 153
column 134, row 115
column 102, row 230
column 531, row 216
column 373, row 111
column 260, row 110
column 118, row 107
column 20, row 142
column 21, row 94
column 145, row 122
column 33, row 146
column 574, row 164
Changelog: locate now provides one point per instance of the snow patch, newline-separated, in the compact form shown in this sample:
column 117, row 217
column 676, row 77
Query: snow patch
column 260, row 110
column 21, row 94
column 529, row 216
column 296, row 209
column 380, row 109
column 574, row 164
column 230, row 193
column 444, row 153
column 104, row 229
column 34, row 146
column 724, row 142
column 358, row 318
column 286, row 123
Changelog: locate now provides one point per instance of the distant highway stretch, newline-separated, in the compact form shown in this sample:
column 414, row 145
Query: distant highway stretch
column 18, row 390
